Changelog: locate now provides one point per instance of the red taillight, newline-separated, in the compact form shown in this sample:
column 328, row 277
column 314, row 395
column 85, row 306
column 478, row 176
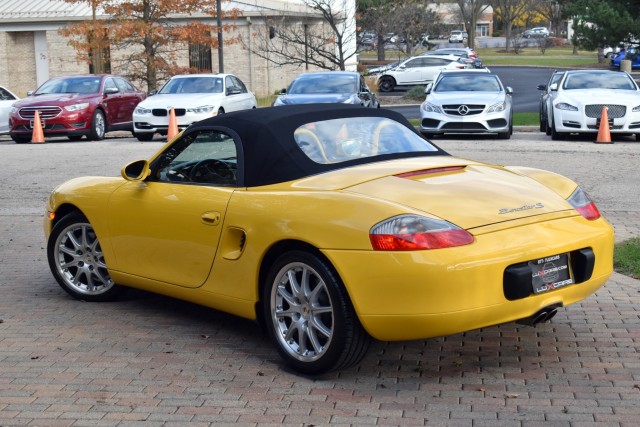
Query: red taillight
column 584, row 205
column 413, row 232
column 589, row 211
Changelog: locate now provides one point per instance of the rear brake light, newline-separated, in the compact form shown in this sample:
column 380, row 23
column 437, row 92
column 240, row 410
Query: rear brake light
column 584, row 205
column 413, row 232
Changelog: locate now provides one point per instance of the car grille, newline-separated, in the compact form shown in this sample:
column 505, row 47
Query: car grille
column 462, row 109
column 613, row 111
column 45, row 112
column 463, row 126
column 162, row 112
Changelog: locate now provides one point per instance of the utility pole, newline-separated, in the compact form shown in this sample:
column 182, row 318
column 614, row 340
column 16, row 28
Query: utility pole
column 220, row 53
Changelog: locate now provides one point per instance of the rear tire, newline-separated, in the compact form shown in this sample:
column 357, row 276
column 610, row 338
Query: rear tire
column 387, row 84
column 309, row 316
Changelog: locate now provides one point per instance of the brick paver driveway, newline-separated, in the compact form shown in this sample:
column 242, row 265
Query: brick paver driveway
column 150, row 360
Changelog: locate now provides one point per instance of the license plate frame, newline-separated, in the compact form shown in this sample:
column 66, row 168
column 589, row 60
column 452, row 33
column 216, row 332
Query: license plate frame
column 32, row 121
column 549, row 273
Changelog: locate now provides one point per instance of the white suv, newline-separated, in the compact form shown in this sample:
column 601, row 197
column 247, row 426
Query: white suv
column 418, row 70
column 458, row 36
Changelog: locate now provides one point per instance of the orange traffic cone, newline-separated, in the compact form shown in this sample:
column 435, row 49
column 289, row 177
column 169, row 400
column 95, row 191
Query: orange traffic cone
column 38, row 135
column 604, row 134
column 173, row 125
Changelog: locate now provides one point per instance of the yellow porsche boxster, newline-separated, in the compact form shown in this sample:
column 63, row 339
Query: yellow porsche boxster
column 330, row 225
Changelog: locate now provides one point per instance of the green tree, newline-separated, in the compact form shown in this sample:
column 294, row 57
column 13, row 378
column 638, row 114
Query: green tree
column 598, row 24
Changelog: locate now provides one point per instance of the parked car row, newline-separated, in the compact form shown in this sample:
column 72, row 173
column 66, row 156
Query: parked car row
column 92, row 105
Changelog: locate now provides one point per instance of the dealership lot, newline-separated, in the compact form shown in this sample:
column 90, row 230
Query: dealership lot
column 151, row 359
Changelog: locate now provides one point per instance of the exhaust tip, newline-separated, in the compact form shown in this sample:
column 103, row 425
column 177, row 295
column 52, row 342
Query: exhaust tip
column 541, row 316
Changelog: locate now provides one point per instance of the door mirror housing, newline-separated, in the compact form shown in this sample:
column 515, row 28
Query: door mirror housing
column 136, row 171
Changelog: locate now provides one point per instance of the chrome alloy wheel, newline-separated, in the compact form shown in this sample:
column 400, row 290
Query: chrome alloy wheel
column 79, row 260
column 100, row 125
column 302, row 312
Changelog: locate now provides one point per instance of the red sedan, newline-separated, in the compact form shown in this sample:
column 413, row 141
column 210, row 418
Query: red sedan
column 74, row 106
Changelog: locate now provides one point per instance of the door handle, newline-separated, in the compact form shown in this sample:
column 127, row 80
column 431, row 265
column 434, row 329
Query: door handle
column 210, row 218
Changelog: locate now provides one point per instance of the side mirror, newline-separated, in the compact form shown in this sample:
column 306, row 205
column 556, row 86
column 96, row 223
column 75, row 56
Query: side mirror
column 542, row 87
column 553, row 86
column 153, row 92
column 233, row 91
column 509, row 90
column 111, row 90
column 427, row 88
column 136, row 171
column 283, row 91
column 29, row 93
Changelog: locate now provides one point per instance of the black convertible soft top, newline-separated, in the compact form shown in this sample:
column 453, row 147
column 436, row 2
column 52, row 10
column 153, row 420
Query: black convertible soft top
column 269, row 153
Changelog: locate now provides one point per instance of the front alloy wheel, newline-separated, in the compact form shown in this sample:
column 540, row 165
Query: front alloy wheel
column 309, row 315
column 98, row 126
column 77, row 262
column 387, row 84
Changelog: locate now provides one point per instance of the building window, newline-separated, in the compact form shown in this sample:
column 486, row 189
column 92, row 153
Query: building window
column 200, row 57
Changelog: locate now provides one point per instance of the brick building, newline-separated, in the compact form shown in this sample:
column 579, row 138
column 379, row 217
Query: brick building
column 32, row 49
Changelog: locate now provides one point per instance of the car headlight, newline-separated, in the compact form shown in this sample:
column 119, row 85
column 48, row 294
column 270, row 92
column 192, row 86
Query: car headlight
column 14, row 109
column 500, row 106
column 431, row 108
column 142, row 110
column 636, row 108
column 204, row 109
column 565, row 106
column 77, row 107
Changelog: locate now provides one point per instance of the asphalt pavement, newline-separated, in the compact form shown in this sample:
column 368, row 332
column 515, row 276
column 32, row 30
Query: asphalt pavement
column 153, row 361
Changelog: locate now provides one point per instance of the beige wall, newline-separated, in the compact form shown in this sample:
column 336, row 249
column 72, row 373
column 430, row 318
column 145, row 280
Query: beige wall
column 17, row 72
column 17, row 68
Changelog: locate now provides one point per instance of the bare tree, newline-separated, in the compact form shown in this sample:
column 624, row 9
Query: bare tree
column 410, row 20
column 321, row 39
column 509, row 11
column 470, row 11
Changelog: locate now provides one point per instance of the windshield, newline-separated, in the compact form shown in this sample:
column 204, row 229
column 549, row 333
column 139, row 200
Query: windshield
column 193, row 85
column 468, row 83
column 70, row 85
column 598, row 81
column 324, row 84
column 341, row 140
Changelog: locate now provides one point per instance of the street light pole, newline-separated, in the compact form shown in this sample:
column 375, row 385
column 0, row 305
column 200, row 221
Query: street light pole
column 219, row 23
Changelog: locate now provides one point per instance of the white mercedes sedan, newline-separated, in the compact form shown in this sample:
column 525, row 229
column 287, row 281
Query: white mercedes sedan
column 582, row 95
column 193, row 97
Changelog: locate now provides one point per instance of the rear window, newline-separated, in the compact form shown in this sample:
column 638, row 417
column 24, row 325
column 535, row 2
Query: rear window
column 341, row 140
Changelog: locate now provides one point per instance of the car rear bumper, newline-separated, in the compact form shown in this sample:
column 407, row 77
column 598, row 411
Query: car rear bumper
column 423, row 294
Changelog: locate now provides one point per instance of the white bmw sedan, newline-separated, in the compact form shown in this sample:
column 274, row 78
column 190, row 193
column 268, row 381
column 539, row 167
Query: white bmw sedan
column 193, row 97
column 581, row 96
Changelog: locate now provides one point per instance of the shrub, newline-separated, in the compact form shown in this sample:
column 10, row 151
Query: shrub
column 416, row 93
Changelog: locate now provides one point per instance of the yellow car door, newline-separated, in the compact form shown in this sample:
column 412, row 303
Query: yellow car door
column 167, row 228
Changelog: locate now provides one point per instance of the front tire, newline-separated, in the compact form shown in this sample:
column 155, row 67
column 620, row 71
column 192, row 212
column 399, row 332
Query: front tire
column 77, row 262
column 19, row 139
column 98, row 126
column 143, row 137
column 309, row 315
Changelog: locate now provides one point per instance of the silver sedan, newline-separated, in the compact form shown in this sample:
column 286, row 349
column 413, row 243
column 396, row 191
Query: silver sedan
column 467, row 101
